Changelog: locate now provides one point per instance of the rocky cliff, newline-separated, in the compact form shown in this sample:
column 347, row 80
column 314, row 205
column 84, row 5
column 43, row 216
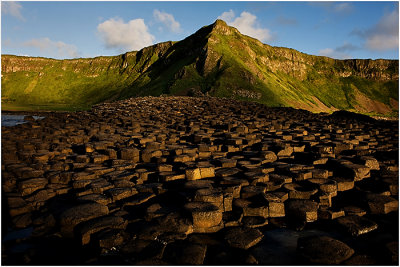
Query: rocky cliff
column 217, row 60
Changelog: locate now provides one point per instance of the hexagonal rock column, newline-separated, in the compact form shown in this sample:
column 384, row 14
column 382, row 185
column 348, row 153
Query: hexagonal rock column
column 302, row 210
column 207, row 218
column 213, row 196
column 243, row 238
column 356, row 225
column 77, row 214
column 379, row 204
column 199, row 173
column 297, row 191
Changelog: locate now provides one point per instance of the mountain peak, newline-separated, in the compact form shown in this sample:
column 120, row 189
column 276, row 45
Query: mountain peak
column 220, row 22
column 217, row 59
column 222, row 27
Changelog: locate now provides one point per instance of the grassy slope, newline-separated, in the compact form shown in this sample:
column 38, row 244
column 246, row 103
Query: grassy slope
column 71, row 84
column 216, row 59
column 278, row 87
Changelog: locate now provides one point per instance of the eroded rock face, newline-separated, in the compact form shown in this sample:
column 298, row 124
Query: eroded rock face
column 199, row 183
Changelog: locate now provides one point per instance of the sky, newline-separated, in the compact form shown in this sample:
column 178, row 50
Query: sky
column 87, row 29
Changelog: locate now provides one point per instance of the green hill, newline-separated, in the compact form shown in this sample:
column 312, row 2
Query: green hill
column 216, row 60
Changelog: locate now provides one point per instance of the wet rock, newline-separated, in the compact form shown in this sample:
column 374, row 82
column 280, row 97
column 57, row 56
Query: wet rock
column 213, row 196
column 131, row 154
column 251, row 191
column 354, row 210
column 269, row 156
column 360, row 260
column 90, row 227
column 254, row 221
column 80, row 213
column 185, row 253
column 323, row 250
column 41, row 196
column 243, row 238
column 379, row 204
column 193, row 174
column 227, row 202
column 207, row 172
column 358, row 172
column 110, row 238
column 326, row 214
column 17, row 206
column 325, row 186
column 232, row 218
column 370, row 162
column 200, row 165
column 121, row 193
column 393, row 248
column 29, row 186
column 356, row 225
column 297, row 191
column 204, row 215
column 198, row 184
column 227, row 163
column 22, row 221
column 344, row 184
column 138, row 199
column 303, row 210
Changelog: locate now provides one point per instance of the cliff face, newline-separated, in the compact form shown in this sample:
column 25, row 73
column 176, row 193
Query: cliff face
column 380, row 69
column 217, row 59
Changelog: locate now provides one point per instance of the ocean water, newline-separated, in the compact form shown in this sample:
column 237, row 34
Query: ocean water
column 12, row 120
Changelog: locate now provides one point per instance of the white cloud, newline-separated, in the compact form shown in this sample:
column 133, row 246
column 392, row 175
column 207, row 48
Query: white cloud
column 336, row 7
column 346, row 47
column 382, row 36
column 343, row 7
column 385, row 34
column 247, row 24
column 381, row 42
column 12, row 8
column 168, row 20
column 340, row 52
column 132, row 35
column 54, row 48
column 227, row 15
column 333, row 53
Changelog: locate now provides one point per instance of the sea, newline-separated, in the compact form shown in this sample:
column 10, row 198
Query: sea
column 12, row 120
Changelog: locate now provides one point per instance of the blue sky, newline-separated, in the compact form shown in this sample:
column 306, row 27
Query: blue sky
column 88, row 29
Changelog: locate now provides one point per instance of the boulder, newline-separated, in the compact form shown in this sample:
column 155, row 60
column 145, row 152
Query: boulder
column 302, row 210
column 80, row 213
column 297, row 191
column 204, row 215
column 90, row 227
column 379, row 204
column 243, row 238
column 29, row 186
column 356, row 225
column 185, row 253
column 323, row 250
column 193, row 174
column 121, row 193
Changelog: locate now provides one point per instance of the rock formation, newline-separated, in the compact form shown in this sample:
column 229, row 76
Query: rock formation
column 199, row 180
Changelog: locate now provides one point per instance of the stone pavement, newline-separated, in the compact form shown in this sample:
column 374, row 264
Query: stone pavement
column 180, row 180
